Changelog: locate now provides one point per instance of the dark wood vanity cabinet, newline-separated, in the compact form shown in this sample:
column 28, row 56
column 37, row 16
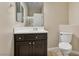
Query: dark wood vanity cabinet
column 30, row 44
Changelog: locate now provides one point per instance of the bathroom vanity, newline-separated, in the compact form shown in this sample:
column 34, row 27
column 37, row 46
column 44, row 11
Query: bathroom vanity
column 30, row 42
column 30, row 38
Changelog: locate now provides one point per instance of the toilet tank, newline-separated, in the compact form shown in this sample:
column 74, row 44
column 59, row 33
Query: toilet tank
column 65, row 37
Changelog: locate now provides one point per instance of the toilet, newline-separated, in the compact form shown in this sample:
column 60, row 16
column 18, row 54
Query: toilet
column 64, row 43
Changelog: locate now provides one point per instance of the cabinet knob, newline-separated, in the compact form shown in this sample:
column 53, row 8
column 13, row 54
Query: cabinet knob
column 30, row 43
column 36, row 37
column 33, row 43
column 20, row 38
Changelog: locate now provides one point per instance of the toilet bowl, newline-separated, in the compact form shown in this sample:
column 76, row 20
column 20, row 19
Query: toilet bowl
column 64, row 42
column 65, row 47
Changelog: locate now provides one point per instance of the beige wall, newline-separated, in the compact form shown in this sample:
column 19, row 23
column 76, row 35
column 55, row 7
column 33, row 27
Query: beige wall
column 62, row 13
column 31, row 11
column 34, row 8
column 74, row 13
column 75, row 38
column 74, row 20
column 6, row 28
column 73, row 26
column 54, row 15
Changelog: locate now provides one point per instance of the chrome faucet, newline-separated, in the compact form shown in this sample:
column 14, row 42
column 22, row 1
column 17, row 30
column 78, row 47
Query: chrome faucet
column 35, row 29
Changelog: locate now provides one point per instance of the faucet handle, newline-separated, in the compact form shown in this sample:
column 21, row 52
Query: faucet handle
column 35, row 28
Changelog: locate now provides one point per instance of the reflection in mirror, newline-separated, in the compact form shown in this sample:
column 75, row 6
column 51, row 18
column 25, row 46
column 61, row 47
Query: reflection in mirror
column 19, row 12
column 30, row 13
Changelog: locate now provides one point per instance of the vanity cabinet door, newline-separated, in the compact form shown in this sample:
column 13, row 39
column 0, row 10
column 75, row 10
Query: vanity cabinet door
column 23, row 48
column 37, row 50
column 40, row 48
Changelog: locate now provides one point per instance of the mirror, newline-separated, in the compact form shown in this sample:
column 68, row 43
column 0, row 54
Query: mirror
column 30, row 13
column 19, row 12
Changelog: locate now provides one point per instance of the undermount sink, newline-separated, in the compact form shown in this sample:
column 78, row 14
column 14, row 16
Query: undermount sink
column 29, row 30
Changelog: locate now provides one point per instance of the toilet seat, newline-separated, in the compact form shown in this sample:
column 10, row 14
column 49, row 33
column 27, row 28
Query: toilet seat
column 65, row 45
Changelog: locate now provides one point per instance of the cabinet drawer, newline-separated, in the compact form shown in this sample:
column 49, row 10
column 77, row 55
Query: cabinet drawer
column 41, row 36
column 29, row 36
column 18, row 37
column 36, row 36
column 24, row 37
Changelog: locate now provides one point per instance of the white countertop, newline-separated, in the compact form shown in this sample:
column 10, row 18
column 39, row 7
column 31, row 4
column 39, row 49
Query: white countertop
column 27, row 30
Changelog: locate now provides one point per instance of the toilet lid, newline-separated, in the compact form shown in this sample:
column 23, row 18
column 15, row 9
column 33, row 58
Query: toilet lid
column 65, row 45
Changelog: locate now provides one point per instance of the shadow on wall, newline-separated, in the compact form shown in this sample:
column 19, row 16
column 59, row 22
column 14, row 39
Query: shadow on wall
column 12, row 48
column 75, row 43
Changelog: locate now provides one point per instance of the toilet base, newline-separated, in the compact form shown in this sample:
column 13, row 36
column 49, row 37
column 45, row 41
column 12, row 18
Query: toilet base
column 66, row 52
